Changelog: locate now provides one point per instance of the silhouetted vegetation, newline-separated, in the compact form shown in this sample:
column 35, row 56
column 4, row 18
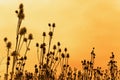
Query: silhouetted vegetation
column 50, row 58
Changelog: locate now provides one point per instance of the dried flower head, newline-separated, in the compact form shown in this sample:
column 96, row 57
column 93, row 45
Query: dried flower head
column 50, row 33
column 14, row 53
column 25, row 39
column 56, row 58
column 44, row 34
column 65, row 49
column 21, row 12
column 68, row 55
column 25, row 57
column 53, row 25
column 5, row 39
column 58, row 43
column 54, row 47
column 30, row 36
column 23, row 31
column 59, row 50
column 21, row 6
column 9, row 45
column 63, row 55
column 37, row 44
column 8, row 58
column 49, row 24
column 16, row 11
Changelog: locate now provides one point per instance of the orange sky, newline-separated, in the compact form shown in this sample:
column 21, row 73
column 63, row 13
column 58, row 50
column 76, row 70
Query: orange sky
column 81, row 25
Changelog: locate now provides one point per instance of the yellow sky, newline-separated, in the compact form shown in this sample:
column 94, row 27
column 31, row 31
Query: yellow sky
column 81, row 25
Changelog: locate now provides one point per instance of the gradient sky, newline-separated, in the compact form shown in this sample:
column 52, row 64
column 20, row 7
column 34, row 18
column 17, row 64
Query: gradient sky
column 80, row 26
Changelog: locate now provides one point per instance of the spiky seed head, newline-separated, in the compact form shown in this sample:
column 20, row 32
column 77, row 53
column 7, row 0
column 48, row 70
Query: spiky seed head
column 16, row 11
column 44, row 44
column 30, row 36
column 54, row 47
column 68, row 55
column 21, row 6
column 25, row 39
column 58, row 43
column 25, row 57
column 8, row 58
column 56, row 58
column 37, row 44
column 49, row 24
column 65, row 49
column 63, row 55
column 9, row 45
column 23, row 31
column 50, row 33
column 44, row 34
column 5, row 39
column 59, row 50
column 23, row 64
column 53, row 25
column 35, row 65
column 14, row 53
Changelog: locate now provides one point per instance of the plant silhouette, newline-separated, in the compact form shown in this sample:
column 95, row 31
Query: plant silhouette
column 50, row 58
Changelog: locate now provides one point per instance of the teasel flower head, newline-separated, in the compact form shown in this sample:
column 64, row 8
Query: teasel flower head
column 49, row 24
column 14, row 53
column 25, row 39
column 16, row 11
column 9, row 45
column 25, row 57
column 37, row 44
column 30, row 36
column 54, row 47
column 59, row 50
column 35, row 65
column 58, row 43
column 63, row 55
column 5, row 39
column 56, row 58
column 44, row 34
column 21, row 12
column 21, row 6
column 53, row 25
column 41, row 46
column 68, row 55
column 23, row 31
column 50, row 33
column 8, row 58
column 65, row 49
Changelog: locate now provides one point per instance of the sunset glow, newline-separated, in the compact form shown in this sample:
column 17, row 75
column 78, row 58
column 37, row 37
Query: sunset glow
column 80, row 26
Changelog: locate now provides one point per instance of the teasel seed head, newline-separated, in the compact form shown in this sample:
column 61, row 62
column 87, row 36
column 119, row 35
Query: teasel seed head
column 30, row 36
